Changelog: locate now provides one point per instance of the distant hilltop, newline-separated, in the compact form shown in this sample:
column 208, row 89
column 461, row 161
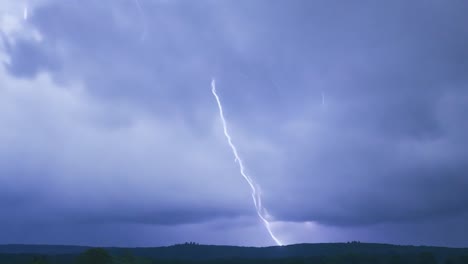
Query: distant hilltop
column 194, row 251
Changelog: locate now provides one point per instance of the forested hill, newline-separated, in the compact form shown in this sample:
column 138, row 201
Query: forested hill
column 195, row 251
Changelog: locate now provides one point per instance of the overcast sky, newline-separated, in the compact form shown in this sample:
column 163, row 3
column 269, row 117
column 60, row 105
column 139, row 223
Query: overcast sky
column 350, row 116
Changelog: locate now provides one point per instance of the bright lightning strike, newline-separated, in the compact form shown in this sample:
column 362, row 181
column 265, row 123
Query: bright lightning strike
column 256, row 195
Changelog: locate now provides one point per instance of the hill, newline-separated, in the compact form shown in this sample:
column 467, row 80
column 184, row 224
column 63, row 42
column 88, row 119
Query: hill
column 205, row 252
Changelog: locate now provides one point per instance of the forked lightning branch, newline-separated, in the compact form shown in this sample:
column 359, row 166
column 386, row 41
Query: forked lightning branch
column 256, row 196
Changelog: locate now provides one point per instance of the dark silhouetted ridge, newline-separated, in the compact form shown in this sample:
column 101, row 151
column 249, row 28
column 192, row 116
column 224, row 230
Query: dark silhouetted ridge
column 199, row 252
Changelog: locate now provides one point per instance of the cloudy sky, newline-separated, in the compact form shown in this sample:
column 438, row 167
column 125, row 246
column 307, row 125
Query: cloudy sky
column 349, row 115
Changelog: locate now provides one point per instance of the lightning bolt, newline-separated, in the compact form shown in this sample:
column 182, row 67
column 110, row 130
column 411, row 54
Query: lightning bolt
column 256, row 194
column 145, row 26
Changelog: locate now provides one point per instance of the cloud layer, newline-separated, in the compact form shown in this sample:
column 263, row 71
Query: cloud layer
column 349, row 116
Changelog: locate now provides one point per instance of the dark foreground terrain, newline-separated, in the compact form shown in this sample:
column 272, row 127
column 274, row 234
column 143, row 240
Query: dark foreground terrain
column 191, row 253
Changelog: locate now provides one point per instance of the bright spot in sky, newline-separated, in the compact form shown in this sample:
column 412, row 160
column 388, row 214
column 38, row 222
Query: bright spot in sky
column 25, row 13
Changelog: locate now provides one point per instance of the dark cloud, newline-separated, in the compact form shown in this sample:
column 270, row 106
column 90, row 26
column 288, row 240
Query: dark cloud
column 29, row 60
column 383, row 150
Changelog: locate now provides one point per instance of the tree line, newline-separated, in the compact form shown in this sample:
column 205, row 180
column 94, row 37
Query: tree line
column 101, row 256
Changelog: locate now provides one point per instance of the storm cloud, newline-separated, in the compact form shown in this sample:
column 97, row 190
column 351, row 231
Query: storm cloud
column 350, row 116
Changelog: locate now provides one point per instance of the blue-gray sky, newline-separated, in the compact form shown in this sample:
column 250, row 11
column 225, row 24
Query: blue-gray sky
column 350, row 115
